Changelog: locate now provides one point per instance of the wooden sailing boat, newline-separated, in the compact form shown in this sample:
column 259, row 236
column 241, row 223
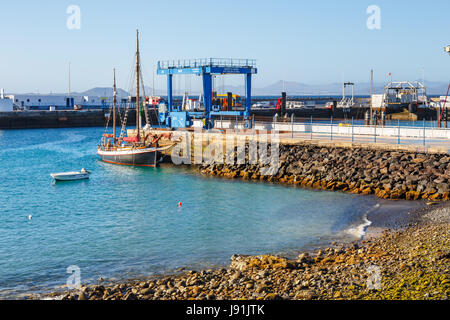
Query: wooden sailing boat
column 130, row 151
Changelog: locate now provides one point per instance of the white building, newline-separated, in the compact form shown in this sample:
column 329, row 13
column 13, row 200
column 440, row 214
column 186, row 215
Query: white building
column 59, row 102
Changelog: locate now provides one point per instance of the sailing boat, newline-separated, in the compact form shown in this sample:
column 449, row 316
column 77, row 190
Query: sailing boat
column 130, row 151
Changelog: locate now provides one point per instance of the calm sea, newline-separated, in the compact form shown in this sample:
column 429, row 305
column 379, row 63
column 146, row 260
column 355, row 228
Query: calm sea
column 125, row 222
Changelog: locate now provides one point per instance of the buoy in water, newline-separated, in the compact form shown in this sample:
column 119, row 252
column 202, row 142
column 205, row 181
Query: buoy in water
column 30, row 217
column 180, row 204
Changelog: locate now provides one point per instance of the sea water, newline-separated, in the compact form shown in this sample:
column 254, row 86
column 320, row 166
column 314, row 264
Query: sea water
column 126, row 222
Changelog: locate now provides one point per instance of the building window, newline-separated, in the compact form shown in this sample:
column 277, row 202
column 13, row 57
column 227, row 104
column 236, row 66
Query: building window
column 39, row 100
column 28, row 100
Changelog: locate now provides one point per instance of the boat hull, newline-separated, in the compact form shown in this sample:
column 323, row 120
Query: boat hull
column 139, row 158
column 70, row 177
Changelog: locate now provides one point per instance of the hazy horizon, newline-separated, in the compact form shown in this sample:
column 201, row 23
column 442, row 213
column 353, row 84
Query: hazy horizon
column 292, row 89
column 297, row 41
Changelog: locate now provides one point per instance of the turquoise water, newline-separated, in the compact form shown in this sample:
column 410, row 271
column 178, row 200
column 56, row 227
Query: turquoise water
column 125, row 222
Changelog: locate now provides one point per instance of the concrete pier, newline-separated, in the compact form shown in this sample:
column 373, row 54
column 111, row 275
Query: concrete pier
column 409, row 141
column 61, row 119
column 387, row 170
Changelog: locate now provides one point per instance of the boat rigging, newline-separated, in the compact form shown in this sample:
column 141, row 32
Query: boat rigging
column 138, row 149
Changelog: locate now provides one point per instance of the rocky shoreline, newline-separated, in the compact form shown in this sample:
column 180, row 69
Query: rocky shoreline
column 410, row 263
column 387, row 174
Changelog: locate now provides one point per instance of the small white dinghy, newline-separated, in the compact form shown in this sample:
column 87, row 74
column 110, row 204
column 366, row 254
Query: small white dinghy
column 71, row 176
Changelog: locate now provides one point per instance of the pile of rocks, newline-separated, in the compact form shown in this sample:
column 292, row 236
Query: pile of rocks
column 387, row 174
column 412, row 264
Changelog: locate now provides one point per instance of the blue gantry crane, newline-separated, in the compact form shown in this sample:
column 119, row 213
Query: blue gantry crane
column 175, row 117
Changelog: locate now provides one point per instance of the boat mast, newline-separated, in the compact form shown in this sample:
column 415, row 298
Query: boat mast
column 114, row 107
column 138, row 72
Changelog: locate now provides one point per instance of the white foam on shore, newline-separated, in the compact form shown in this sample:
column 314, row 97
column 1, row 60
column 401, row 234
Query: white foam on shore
column 360, row 230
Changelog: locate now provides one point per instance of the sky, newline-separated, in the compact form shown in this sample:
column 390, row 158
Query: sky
column 312, row 42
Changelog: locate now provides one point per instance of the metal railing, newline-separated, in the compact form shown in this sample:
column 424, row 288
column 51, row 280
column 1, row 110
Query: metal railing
column 421, row 136
column 206, row 62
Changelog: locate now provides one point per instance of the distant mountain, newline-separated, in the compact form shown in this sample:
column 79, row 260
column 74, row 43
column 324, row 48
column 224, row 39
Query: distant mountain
column 292, row 88
column 103, row 92
column 297, row 88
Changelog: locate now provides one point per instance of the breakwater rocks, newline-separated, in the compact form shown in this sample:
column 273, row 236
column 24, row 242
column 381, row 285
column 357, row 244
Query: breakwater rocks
column 387, row 174
column 409, row 264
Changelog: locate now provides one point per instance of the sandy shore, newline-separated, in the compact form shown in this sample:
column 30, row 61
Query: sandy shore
column 410, row 262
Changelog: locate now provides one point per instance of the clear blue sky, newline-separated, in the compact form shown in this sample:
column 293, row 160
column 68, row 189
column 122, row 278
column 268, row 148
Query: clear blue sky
column 312, row 42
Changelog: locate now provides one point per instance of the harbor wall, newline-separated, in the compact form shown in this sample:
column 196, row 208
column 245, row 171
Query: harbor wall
column 387, row 171
column 97, row 118
column 317, row 113
column 388, row 174
column 427, row 114
column 61, row 119
column 51, row 119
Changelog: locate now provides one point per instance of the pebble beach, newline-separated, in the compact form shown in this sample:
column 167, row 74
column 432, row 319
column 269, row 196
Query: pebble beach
column 411, row 262
column 401, row 256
